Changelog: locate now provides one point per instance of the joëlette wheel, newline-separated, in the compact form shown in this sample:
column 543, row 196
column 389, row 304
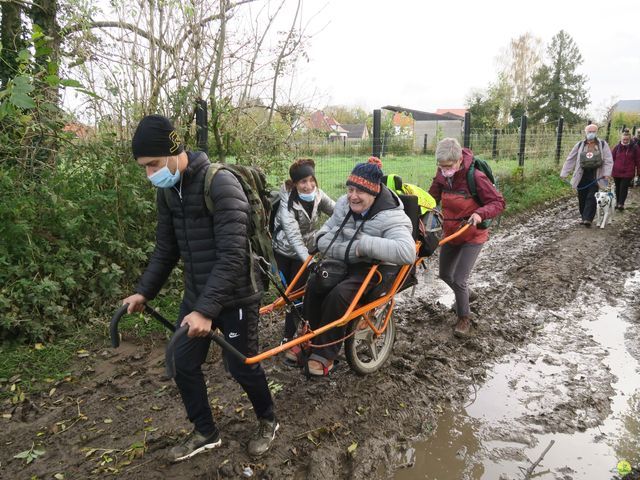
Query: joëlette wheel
column 365, row 351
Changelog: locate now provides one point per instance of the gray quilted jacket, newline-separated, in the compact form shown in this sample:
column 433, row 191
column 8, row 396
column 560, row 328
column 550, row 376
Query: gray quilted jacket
column 293, row 229
column 385, row 236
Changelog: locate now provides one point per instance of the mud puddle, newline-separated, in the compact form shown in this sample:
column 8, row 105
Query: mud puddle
column 576, row 385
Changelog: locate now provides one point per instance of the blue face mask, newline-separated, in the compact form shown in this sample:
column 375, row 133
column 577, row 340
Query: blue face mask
column 591, row 136
column 163, row 178
column 307, row 197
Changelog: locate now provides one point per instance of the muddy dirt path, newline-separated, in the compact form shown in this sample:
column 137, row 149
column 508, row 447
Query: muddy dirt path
column 116, row 414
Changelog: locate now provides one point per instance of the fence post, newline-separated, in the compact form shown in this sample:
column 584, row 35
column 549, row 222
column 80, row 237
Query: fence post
column 385, row 145
column 424, row 144
column 523, row 139
column 608, row 131
column 633, row 132
column 559, row 139
column 466, row 139
column 494, row 145
column 202, row 127
column 377, row 123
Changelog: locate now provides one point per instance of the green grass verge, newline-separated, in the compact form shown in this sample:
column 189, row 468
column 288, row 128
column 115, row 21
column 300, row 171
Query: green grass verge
column 38, row 367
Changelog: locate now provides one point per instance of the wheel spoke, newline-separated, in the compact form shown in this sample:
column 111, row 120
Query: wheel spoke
column 364, row 335
column 373, row 350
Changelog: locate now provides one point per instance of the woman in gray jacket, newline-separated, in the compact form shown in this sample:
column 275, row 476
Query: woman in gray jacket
column 368, row 225
column 301, row 202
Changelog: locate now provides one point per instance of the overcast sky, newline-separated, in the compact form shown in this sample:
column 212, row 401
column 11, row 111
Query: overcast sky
column 426, row 55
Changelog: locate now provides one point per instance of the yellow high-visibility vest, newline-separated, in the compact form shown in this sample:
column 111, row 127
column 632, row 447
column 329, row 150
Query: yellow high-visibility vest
column 425, row 201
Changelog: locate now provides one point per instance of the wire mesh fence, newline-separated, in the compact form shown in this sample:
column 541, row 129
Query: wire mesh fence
column 501, row 148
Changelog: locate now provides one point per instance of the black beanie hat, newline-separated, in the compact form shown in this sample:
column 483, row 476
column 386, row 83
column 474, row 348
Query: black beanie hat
column 155, row 137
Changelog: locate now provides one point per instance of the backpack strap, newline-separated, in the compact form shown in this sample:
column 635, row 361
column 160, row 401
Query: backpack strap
column 214, row 168
column 208, row 180
column 471, row 181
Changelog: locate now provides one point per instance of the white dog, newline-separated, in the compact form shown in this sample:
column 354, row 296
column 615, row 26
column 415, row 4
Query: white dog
column 606, row 204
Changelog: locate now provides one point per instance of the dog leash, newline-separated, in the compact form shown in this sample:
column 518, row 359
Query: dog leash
column 587, row 185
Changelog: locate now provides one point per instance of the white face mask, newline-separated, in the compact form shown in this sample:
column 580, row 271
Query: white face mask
column 591, row 135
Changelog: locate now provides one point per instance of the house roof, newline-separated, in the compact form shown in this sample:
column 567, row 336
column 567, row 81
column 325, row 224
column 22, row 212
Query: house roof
column 458, row 112
column 629, row 106
column 419, row 115
column 318, row 120
column 354, row 130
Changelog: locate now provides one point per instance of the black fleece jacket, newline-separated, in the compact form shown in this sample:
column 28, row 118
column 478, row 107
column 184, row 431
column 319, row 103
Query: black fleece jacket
column 213, row 248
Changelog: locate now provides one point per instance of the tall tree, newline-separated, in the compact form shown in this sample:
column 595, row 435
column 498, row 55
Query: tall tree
column 483, row 108
column 491, row 108
column 11, row 39
column 558, row 90
column 520, row 61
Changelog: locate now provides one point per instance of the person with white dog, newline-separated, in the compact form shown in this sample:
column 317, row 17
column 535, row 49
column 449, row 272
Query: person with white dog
column 591, row 162
column 626, row 162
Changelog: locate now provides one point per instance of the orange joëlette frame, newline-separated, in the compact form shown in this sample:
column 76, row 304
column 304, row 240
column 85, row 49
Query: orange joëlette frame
column 352, row 312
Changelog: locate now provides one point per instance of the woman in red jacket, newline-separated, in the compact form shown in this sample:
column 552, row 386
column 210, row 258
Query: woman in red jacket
column 626, row 161
column 451, row 190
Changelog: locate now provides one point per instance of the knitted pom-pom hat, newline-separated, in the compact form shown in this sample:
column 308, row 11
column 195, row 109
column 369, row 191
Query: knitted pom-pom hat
column 367, row 176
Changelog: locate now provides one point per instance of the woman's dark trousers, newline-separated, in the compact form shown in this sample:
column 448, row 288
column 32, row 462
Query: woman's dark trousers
column 587, row 189
column 321, row 309
column 289, row 267
column 622, row 189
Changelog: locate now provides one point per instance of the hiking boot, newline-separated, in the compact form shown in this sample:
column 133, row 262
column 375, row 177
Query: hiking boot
column 463, row 327
column 587, row 223
column 261, row 441
column 193, row 444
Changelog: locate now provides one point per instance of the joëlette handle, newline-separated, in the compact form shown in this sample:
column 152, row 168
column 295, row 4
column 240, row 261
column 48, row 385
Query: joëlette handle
column 170, row 361
column 115, row 320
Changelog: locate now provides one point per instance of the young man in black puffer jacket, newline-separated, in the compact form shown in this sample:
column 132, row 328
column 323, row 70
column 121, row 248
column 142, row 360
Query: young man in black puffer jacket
column 218, row 288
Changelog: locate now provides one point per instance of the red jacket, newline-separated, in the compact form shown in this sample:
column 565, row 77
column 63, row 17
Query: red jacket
column 626, row 160
column 457, row 203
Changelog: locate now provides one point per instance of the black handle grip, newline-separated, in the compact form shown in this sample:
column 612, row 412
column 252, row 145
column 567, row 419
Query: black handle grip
column 170, row 361
column 113, row 327
column 160, row 318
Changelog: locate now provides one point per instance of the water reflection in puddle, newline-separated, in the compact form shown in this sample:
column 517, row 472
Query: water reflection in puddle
column 493, row 437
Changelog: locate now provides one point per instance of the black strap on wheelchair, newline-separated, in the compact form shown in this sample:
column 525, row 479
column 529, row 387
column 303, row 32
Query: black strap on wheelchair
column 344, row 222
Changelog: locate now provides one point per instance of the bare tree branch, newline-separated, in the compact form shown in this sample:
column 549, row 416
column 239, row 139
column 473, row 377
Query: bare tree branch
column 280, row 60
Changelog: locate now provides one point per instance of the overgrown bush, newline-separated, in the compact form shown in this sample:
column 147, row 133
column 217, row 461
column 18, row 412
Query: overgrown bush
column 71, row 238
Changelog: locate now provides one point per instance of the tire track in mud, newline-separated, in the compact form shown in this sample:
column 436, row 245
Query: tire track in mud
column 528, row 272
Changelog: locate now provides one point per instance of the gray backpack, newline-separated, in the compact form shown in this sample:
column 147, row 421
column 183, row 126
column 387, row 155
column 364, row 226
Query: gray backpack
column 595, row 161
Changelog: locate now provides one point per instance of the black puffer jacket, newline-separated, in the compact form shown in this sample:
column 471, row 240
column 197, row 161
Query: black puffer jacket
column 214, row 249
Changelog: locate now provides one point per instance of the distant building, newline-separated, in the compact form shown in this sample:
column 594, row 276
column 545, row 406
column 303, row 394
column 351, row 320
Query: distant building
column 356, row 131
column 320, row 122
column 78, row 129
column 627, row 106
column 434, row 125
column 458, row 112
